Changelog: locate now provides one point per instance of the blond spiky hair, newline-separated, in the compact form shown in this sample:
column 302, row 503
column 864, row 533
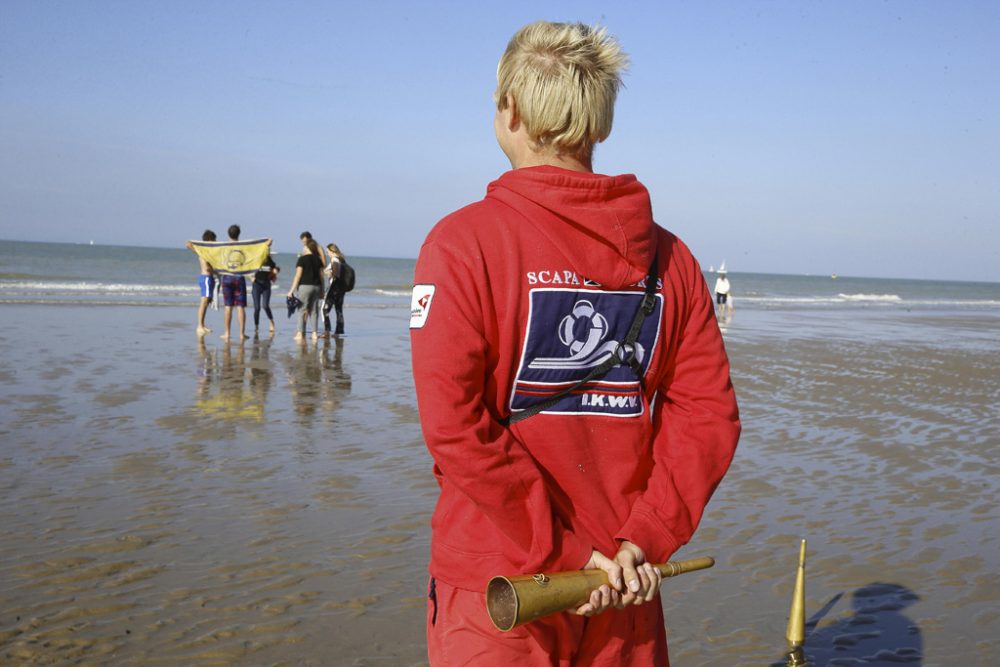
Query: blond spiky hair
column 563, row 78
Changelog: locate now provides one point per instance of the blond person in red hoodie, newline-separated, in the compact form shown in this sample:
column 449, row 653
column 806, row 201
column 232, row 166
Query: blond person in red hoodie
column 576, row 420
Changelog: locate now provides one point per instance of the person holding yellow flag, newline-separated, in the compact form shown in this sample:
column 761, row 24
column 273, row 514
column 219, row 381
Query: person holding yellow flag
column 206, row 282
column 233, row 260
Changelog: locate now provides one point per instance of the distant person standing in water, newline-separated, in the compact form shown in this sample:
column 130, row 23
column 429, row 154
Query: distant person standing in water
column 234, row 294
column 308, row 281
column 722, row 289
column 206, row 283
column 337, row 272
column 266, row 274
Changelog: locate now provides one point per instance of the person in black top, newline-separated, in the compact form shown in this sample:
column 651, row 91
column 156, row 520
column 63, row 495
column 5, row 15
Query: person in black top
column 266, row 274
column 309, row 282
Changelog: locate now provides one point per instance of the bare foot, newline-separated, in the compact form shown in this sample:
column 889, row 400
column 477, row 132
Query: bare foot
column 272, row 327
column 225, row 336
column 297, row 336
column 203, row 330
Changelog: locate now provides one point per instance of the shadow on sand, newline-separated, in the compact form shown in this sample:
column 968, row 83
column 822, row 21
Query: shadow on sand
column 876, row 634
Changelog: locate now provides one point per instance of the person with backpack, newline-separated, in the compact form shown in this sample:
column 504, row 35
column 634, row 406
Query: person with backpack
column 341, row 281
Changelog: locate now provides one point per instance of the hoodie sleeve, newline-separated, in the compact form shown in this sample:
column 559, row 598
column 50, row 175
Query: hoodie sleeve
column 474, row 453
column 695, row 430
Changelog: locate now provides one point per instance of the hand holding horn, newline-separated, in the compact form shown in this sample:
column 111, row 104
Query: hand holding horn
column 513, row 601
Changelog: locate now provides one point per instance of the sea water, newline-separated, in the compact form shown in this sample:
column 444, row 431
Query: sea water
column 53, row 273
column 63, row 273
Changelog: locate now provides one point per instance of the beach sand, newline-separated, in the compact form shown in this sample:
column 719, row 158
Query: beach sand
column 266, row 503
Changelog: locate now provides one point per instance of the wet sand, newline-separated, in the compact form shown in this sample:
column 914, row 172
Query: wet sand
column 266, row 503
column 875, row 438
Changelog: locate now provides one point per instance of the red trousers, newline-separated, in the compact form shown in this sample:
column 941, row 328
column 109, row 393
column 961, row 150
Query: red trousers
column 460, row 633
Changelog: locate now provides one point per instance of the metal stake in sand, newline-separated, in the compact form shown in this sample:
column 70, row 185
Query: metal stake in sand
column 795, row 634
column 512, row 601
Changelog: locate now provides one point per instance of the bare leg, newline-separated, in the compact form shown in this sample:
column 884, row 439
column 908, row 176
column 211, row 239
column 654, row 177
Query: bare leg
column 241, row 316
column 228, row 317
column 202, row 309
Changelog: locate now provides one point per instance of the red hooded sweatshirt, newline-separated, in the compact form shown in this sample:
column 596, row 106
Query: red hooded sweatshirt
column 518, row 296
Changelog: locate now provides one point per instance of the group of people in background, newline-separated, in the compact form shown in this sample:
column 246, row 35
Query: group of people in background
column 314, row 268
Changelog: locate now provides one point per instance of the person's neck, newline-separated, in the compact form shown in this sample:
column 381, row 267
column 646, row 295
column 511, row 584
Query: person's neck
column 552, row 159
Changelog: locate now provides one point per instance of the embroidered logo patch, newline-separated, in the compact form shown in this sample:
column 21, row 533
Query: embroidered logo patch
column 420, row 305
column 569, row 333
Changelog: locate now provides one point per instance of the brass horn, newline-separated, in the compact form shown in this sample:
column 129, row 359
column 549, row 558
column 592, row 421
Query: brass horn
column 514, row 601
column 795, row 634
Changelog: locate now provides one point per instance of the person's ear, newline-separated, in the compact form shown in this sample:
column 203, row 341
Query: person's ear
column 513, row 119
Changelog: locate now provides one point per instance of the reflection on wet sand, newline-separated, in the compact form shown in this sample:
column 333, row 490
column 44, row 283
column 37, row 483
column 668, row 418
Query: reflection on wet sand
column 166, row 509
column 144, row 521
column 316, row 376
column 226, row 389
column 261, row 372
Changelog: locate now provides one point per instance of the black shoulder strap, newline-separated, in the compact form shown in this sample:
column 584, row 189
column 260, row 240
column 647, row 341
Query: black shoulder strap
column 624, row 354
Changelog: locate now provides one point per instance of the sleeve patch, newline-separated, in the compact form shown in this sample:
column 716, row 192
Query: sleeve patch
column 420, row 305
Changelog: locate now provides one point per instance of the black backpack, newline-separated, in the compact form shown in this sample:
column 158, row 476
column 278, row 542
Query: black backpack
column 346, row 278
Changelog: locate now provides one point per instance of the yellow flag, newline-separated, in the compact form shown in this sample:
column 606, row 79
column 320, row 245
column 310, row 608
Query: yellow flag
column 235, row 258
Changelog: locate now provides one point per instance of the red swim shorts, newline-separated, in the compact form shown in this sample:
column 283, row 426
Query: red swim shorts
column 234, row 291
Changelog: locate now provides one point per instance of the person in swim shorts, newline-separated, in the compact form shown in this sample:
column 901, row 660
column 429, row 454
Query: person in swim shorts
column 206, row 283
column 234, row 294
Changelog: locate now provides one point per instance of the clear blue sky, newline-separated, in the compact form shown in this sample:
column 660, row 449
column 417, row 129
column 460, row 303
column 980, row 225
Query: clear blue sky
column 857, row 137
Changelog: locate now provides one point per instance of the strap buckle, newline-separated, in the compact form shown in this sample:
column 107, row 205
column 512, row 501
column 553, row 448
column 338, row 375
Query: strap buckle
column 648, row 302
column 625, row 353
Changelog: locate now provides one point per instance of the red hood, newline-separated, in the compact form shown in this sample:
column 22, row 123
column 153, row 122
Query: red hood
column 602, row 224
